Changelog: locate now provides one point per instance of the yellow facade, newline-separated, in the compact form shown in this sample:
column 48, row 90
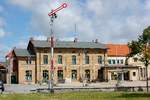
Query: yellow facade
column 37, row 66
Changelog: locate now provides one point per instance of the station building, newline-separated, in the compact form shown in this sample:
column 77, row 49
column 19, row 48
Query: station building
column 74, row 61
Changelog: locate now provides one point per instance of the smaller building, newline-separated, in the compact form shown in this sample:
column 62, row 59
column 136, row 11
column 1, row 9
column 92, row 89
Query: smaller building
column 3, row 72
column 118, row 66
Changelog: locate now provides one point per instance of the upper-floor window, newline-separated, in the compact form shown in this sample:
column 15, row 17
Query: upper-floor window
column 118, row 61
column 100, row 60
column 109, row 61
column 121, row 61
column 86, row 59
column 135, row 59
column 113, row 61
column 74, row 60
column 28, row 75
column 59, row 59
column 45, row 59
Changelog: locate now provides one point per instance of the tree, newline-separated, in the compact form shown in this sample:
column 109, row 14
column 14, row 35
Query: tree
column 141, row 48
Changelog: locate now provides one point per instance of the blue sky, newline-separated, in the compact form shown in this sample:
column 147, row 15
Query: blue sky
column 111, row 21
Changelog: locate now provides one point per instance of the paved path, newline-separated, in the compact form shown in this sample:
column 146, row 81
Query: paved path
column 20, row 88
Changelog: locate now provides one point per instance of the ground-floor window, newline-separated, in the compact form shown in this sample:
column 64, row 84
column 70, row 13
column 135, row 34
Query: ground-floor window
column 74, row 74
column 28, row 75
column 45, row 75
column 113, row 76
column 60, row 74
column 134, row 73
column 87, row 74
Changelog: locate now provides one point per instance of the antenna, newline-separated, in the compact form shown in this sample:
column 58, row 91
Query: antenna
column 75, row 31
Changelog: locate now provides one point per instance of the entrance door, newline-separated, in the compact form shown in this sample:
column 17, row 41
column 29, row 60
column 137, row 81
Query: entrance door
column 60, row 75
column 100, row 75
column 87, row 75
column 126, row 75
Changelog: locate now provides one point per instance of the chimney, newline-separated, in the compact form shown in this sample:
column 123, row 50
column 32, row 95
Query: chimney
column 96, row 41
column 75, row 40
column 14, row 48
column 31, row 39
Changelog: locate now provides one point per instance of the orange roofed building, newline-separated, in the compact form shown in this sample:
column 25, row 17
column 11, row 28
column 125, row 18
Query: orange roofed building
column 118, row 66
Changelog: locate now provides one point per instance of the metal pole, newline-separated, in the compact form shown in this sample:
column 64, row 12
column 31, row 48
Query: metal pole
column 50, row 86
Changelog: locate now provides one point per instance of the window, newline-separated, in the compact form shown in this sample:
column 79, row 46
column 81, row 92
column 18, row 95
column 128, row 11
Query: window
column 113, row 61
column 109, row 61
column 74, row 74
column 118, row 61
column 86, row 59
column 121, row 61
column 28, row 75
column 45, row 59
column 60, row 74
column 100, row 60
column 134, row 73
column 59, row 59
column 113, row 76
column 74, row 60
column 45, row 75
column 135, row 59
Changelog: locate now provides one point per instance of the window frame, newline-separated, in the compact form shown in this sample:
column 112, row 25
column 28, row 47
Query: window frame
column 45, row 59
column 100, row 60
column 87, row 59
column 60, row 59
column 74, row 72
column 28, row 75
column 74, row 60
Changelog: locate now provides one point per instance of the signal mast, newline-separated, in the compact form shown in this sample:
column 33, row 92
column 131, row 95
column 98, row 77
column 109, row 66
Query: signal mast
column 53, row 16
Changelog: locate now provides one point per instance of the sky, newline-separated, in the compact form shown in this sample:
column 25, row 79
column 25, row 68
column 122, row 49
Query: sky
column 109, row 21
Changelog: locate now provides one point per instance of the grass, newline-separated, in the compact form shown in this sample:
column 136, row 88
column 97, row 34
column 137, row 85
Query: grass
column 78, row 96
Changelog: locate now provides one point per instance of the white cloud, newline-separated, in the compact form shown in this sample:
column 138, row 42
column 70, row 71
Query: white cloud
column 107, row 20
column 2, row 33
column 40, row 37
column 2, row 30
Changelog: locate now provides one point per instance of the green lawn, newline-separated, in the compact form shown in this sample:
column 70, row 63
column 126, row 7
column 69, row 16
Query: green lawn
column 78, row 96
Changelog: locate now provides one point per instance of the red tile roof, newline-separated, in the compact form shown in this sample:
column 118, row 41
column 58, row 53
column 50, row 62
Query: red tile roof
column 117, row 50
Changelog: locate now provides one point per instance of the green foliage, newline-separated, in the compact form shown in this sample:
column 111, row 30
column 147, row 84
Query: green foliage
column 141, row 47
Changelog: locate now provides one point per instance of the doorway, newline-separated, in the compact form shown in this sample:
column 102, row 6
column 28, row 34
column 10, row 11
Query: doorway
column 87, row 75
column 60, row 75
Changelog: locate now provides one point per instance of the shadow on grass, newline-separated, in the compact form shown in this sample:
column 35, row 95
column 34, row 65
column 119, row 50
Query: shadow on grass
column 133, row 95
